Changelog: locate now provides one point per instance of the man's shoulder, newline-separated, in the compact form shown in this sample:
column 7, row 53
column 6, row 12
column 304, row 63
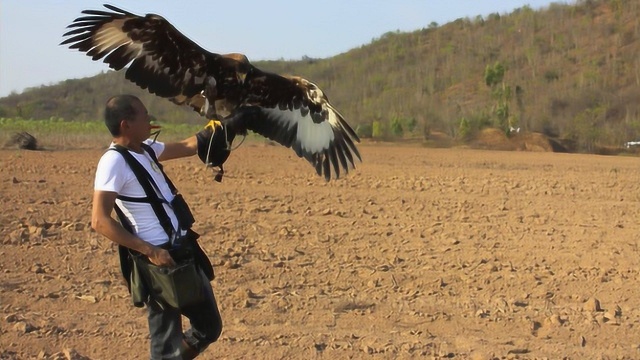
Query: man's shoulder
column 110, row 159
column 111, row 172
column 156, row 146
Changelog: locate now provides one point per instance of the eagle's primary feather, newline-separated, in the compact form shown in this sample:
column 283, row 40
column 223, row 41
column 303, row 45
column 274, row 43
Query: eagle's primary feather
column 294, row 111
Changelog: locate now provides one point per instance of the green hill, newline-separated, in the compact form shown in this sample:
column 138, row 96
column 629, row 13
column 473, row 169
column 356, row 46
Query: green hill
column 570, row 71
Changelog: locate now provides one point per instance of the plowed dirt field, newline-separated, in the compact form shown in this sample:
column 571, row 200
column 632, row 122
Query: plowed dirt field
column 437, row 253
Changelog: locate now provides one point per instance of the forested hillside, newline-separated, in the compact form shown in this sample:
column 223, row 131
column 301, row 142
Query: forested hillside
column 570, row 71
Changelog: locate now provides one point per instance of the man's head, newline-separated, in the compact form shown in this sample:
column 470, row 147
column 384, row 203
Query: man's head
column 126, row 113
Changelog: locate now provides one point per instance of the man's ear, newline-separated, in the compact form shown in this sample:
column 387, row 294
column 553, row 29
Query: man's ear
column 124, row 124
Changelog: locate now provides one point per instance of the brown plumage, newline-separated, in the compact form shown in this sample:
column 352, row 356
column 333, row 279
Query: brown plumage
column 294, row 111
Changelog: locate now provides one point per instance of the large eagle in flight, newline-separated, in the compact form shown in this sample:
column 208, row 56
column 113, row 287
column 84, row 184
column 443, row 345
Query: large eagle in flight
column 293, row 111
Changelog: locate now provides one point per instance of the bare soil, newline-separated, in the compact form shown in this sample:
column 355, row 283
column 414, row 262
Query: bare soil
column 441, row 253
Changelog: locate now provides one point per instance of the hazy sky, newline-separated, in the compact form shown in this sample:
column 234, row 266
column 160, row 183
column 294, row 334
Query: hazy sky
column 30, row 30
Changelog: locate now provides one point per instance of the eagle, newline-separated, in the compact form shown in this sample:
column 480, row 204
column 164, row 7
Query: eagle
column 293, row 111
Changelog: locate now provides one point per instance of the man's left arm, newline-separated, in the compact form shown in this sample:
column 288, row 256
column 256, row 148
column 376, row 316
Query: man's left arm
column 184, row 148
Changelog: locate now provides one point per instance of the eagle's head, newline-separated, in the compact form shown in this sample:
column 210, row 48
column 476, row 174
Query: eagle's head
column 240, row 63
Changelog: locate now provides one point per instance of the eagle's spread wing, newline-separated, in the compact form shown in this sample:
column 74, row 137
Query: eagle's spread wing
column 159, row 58
column 295, row 112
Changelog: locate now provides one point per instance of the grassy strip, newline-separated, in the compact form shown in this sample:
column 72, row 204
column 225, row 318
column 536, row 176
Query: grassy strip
column 57, row 134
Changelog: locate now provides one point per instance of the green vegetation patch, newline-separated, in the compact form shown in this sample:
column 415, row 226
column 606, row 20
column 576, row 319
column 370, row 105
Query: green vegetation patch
column 56, row 133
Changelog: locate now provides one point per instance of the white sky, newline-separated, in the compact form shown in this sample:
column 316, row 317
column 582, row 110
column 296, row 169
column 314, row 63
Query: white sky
column 30, row 30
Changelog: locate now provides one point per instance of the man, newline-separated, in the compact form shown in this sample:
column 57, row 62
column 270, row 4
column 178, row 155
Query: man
column 128, row 121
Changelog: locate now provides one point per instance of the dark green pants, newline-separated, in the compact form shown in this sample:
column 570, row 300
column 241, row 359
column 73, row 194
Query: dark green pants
column 165, row 326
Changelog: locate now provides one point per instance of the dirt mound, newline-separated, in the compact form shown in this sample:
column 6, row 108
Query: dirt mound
column 496, row 139
column 23, row 140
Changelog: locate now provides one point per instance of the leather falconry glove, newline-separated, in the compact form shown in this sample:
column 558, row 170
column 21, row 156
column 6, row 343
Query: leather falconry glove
column 213, row 148
column 214, row 141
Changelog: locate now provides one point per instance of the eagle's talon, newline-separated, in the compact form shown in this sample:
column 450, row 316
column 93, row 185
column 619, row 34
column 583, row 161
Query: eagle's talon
column 213, row 124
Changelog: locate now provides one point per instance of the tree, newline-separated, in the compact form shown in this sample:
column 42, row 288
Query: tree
column 464, row 130
column 364, row 131
column 411, row 124
column 501, row 93
column 378, row 130
column 493, row 75
column 396, row 126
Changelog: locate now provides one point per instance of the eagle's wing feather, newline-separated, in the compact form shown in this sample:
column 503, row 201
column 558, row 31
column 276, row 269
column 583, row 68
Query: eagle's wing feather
column 297, row 114
column 160, row 58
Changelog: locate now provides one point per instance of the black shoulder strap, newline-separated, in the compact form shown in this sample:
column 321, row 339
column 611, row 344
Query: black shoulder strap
column 152, row 153
column 148, row 185
column 123, row 219
column 123, row 252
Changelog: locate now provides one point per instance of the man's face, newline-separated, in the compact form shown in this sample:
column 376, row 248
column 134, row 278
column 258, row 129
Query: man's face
column 139, row 126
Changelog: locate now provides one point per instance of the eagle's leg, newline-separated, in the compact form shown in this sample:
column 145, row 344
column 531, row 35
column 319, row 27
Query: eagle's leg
column 211, row 113
column 210, row 93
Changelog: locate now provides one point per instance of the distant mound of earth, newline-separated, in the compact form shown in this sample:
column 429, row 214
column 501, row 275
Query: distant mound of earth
column 23, row 140
column 496, row 139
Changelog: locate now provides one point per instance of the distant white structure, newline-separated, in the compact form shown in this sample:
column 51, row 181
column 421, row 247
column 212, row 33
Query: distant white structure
column 629, row 144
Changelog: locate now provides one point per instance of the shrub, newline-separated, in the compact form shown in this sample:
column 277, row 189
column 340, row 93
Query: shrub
column 364, row 131
column 377, row 129
column 396, row 127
